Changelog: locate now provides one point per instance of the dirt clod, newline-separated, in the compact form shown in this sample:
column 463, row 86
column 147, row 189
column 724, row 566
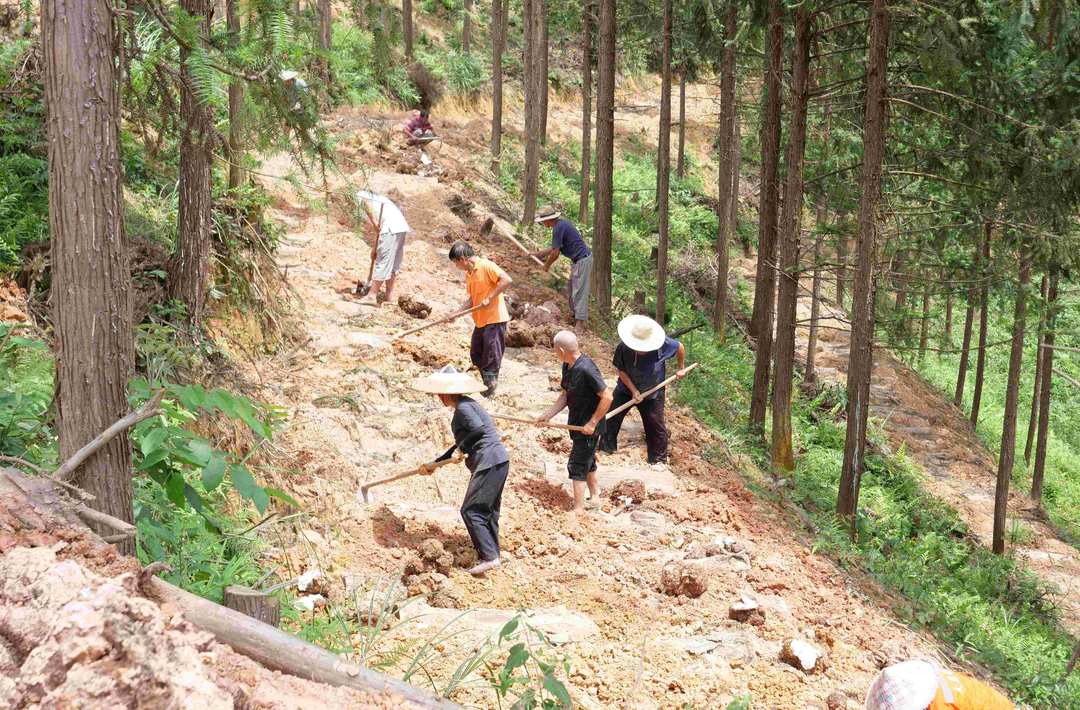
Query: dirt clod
column 679, row 579
column 630, row 488
column 804, row 656
column 546, row 313
column 747, row 611
column 460, row 206
column 836, row 700
column 414, row 307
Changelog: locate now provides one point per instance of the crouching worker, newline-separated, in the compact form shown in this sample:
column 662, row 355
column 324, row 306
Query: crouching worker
column 921, row 685
column 485, row 283
column 485, row 457
column 586, row 394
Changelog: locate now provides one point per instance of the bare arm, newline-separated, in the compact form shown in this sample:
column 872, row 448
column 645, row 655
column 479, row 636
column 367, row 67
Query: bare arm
column 681, row 360
column 601, row 410
column 625, row 379
column 560, row 404
column 504, row 283
column 552, row 258
column 544, row 253
column 465, row 305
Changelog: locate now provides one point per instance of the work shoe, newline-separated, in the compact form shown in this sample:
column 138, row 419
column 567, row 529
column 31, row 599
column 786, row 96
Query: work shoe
column 491, row 379
column 485, row 566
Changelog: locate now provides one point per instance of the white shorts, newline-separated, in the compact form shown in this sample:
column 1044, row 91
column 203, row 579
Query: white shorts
column 389, row 255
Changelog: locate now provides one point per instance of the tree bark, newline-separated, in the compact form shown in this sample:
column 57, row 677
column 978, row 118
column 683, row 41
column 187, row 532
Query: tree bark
column 236, row 96
column 861, row 359
column 736, row 168
column 605, row 145
column 1012, row 402
column 761, row 322
column 663, row 160
column 900, row 314
column 407, row 27
column 984, row 305
column 531, row 12
column 498, row 44
column 965, row 350
column 1047, row 356
column 586, row 111
column 810, row 376
column 924, row 326
column 187, row 269
column 255, row 604
column 466, row 26
column 326, row 36
column 1037, row 385
column 725, row 195
column 783, row 453
column 91, row 279
column 841, row 269
column 948, row 317
column 682, row 121
column 545, row 53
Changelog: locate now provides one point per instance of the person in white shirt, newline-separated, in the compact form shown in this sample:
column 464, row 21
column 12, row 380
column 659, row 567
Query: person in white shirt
column 388, row 254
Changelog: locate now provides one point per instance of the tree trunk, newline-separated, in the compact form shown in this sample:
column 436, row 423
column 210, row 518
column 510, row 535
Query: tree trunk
column 361, row 16
column 841, row 269
column 924, row 326
column 948, row 316
column 187, row 269
column 255, row 604
column 861, row 359
column 783, row 453
column 91, row 280
column 663, row 159
column 810, row 377
column 296, row 8
column 1037, row 385
column 605, row 145
column 236, row 96
column 407, row 27
column 1047, row 357
column 466, row 27
column 984, row 305
column 736, row 167
column 498, row 44
column 900, row 314
column 965, row 351
column 761, row 322
column 545, row 52
column 586, row 111
column 531, row 19
column 682, row 121
column 725, row 195
column 326, row 36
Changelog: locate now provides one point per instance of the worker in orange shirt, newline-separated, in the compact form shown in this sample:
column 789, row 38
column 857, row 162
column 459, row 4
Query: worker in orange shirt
column 485, row 283
column 921, row 685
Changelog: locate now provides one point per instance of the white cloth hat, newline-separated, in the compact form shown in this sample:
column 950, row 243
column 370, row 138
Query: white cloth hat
column 910, row 685
column 641, row 333
column 448, row 380
column 287, row 74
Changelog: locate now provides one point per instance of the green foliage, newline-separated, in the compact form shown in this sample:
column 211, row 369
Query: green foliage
column 26, row 392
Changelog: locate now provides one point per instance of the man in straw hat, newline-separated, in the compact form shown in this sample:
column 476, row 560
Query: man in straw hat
column 485, row 283
column 485, row 457
column 921, row 685
column 640, row 360
column 566, row 239
column 586, row 394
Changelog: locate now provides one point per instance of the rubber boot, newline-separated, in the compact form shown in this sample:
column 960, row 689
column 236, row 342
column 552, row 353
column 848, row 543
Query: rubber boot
column 491, row 379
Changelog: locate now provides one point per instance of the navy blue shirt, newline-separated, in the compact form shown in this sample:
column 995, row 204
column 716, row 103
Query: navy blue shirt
column 475, row 435
column 566, row 238
column 646, row 370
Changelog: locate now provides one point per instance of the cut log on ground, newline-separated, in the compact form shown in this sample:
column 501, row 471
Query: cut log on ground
column 255, row 604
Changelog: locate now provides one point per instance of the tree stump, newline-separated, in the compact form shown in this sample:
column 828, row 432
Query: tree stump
column 639, row 303
column 253, row 603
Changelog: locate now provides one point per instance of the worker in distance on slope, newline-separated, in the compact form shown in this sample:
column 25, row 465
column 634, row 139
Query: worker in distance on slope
column 485, row 283
column 295, row 89
column 418, row 127
column 640, row 359
column 384, row 216
column 566, row 240
column 586, row 394
column 487, row 460
column 922, row 685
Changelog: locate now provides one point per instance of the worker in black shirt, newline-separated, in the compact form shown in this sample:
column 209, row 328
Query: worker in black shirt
column 588, row 397
column 475, row 435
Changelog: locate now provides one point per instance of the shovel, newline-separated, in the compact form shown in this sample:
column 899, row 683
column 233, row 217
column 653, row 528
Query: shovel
column 362, row 289
column 364, row 489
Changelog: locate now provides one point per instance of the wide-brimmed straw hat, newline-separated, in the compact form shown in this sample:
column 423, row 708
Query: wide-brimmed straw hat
column 641, row 333
column 448, row 380
column 910, row 685
column 287, row 74
column 547, row 212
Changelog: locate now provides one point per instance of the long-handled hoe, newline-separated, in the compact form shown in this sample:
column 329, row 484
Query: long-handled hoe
column 363, row 288
column 365, row 490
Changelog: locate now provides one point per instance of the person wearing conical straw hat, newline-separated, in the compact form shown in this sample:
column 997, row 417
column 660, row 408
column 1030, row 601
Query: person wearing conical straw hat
column 487, row 460
column 922, row 685
column 566, row 240
column 485, row 283
column 640, row 359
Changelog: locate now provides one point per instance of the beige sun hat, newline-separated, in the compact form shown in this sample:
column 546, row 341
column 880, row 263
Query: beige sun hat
column 448, row 380
column 287, row 74
column 547, row 212
column 641, row 333
column 910, row 685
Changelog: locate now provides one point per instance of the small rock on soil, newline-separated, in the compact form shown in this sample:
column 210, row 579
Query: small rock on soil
column 680, row 579
column 747, row 611
column 415, row 308
column 634, row 490
column 804, row 656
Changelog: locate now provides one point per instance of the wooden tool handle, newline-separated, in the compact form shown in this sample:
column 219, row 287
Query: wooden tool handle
column 645, row 394
column 434, row 322
column 375, row 249
column 430, row 466
column 532, row 421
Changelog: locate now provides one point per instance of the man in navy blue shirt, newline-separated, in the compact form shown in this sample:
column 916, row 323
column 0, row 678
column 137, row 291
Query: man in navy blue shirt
column 641, row 361
column 566, row 240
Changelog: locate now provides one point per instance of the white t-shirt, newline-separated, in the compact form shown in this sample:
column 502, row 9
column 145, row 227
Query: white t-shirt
column 392, row 219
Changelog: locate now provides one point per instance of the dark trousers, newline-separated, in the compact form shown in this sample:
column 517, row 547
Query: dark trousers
column 652, row 417
column 487, row 346
column 480, row 509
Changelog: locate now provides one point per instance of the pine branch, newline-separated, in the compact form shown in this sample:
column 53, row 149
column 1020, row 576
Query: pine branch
column 167, row 26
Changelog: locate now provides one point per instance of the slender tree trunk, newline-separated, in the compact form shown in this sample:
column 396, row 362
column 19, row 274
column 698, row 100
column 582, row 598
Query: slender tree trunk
column 236, row 96
column 466, row 27
column 545, row 53
column 783, row 453
column 1037, row 385
column 924, row 326
column 984, row 305
column 407, row 27
column 296, row 8
column 187, row 269
column 736, row 169
column 326, row 36
column 948, row 316
column 498, row 44
column 900, row 314
column 861, row 359
column 605, row 148
column 965, row 351
column 682, row 121
column 1047, row 356
column 361, row 16
column 761, row 322
column 663, row 158
column 531, row 13
column 91, row 280
column 841, row 269
column 586, row 111
column 815, row 302
column 725, row 195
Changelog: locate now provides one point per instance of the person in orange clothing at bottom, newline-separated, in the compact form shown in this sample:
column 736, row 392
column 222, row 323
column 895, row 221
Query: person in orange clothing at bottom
column 921, row 685
column 485, row 283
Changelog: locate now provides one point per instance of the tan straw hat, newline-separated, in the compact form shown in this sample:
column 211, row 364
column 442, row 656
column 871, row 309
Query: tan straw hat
column 910, row 685
column 547, row 212
column 287, row 74
column 448, row 380
column 641, row 333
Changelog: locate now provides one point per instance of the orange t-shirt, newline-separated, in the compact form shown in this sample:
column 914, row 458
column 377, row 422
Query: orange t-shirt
column 969, row 694
column 480, row 282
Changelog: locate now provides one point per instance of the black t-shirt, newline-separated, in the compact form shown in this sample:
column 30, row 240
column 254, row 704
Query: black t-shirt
column 583, row 384
column 475, row 435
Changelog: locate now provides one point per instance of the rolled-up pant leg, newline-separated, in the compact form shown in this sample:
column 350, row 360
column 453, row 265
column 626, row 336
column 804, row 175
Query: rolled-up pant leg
column 480, row 509
column 609, row 442
column 577, row 287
